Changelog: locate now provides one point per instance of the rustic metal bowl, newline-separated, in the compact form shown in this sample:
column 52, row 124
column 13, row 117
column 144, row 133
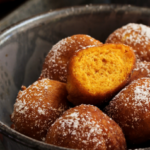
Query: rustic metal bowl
column 24, row 46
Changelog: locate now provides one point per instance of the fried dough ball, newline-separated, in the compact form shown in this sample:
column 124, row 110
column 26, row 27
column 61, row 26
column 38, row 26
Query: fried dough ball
column 38, row 106
column 88, row 128
column 55, row 65
column 96, row 74
column 142, row 69
column 131, row 110
column 135, row 35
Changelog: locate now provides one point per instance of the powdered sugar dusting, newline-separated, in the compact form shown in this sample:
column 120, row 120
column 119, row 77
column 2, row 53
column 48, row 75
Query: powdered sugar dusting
column 142, row 69
column 135, row 35
column 41, row 111
column 35, row 110
column 83, row 127
column 143, row 66
column 55, row 65
column 24, row 97
column 141, row 94
column 135, row 98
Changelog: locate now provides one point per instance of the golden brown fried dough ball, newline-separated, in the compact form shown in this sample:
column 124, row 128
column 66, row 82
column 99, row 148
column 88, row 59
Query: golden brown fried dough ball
column 135, row 35
column 131, row 110
column 142, row 69
column 88, row 128
column 96, row 74
column 38, row 106
column 55, row 65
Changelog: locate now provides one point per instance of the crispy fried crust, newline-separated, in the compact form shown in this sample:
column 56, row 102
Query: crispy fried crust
column 96, row 74
column 55, row 65
column 135, row 35
column 142, row 69
column 131, row 110
column 38, row 106
column 86, row 127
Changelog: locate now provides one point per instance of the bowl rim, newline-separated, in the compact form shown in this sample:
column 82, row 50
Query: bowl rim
column 56, row 14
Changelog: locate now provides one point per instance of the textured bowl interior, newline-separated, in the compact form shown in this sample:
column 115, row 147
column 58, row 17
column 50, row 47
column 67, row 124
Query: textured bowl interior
column 24, row 46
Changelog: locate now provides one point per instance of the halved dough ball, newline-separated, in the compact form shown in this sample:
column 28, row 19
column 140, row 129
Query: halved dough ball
column 135, row 35
column 131, row 110
column 55, row 65
column 38, row 106
column 96, row 74
column 88, row 128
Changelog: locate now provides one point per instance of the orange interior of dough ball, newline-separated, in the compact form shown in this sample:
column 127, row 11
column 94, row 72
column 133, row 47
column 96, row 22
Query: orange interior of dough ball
column 103, row 68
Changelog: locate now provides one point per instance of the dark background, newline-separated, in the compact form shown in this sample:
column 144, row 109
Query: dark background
column 8, row 6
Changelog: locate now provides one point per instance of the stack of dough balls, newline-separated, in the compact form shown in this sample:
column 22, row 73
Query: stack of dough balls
column 96, row 74
column 38, row 106
column 86, row 127
column 135, row 35
column 93, row 73
column 55, row 65
column 131, row 110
